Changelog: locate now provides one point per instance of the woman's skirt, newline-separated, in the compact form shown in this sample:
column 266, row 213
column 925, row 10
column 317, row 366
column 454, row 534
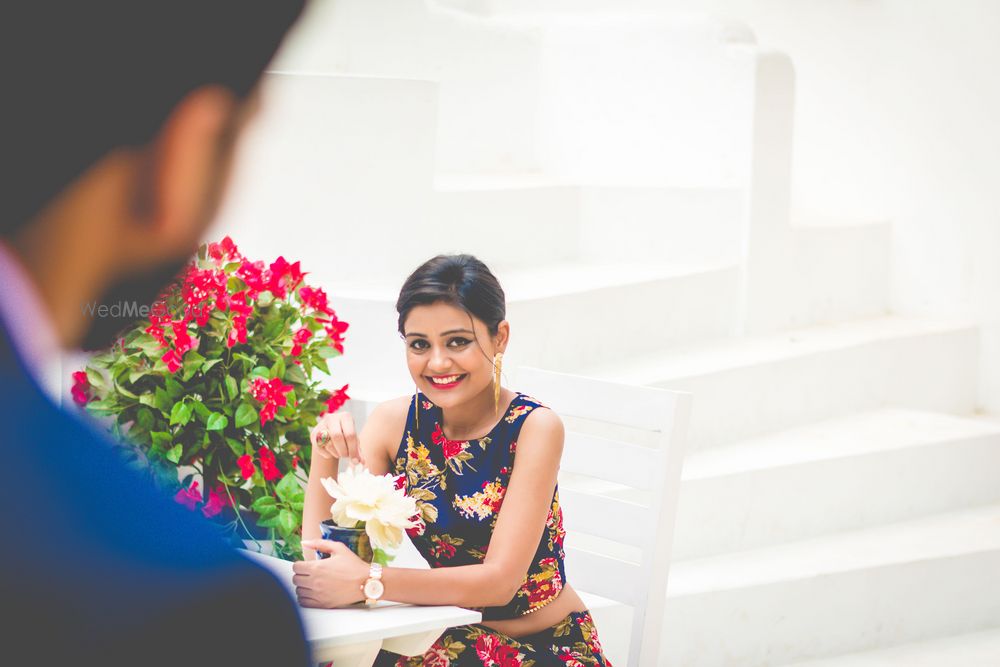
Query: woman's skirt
column 572, row 642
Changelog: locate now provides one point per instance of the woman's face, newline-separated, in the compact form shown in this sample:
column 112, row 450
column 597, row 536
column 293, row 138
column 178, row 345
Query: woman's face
column 445, row 361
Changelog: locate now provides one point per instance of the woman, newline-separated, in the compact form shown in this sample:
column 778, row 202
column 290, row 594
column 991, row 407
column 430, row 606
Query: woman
column 491, row 523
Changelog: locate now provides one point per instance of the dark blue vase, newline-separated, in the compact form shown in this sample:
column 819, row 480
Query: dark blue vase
column 355, row 539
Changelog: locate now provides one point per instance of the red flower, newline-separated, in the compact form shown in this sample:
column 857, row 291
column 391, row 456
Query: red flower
column 337, row 399
column 299, row 338
column 295, row 462
column 247, row 468
column 182, row 340
column 218, row 500
column 252, row 275
column 284, row 277
column 189, row 497
column 335, row 332
column 315, row 298
column 272, row 393
column 81, row 388
column 223, row 251
column 450, row 448
column 268, row 465
column 172, row 360
column 399, row 482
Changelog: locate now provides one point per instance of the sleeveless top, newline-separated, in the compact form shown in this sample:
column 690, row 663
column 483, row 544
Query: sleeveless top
column 459, row 486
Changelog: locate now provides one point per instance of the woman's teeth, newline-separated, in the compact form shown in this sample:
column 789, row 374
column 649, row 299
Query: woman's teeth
column 451, row 379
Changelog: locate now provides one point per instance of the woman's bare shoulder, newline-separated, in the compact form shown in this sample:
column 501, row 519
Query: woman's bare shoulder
column 389, row 417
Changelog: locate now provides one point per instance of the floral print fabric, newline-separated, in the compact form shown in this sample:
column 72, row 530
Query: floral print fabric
column 573, row 642
column 459, row 486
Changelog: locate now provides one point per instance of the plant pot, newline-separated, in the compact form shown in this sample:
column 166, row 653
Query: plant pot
column 356, row 539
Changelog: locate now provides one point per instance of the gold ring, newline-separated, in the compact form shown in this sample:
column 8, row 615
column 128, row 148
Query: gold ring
column 323, row 438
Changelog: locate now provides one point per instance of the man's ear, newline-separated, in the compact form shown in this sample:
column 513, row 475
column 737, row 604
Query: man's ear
column 183, row 169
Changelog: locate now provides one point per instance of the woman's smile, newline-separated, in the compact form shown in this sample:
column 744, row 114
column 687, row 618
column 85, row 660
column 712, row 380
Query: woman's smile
column 446, row 381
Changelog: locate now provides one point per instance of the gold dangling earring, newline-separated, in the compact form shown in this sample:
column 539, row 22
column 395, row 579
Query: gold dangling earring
column 416, row 409
column 497, row 363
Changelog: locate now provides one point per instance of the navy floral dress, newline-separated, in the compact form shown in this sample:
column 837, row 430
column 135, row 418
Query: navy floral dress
column 459, row 486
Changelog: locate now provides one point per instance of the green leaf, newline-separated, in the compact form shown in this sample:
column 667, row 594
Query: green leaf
column 163, row 401
column 288, row 489
column 265, row 299
column 235, row 445
column 192, row 364
column 261, row 371
column 263, row 503
column 269, row 522
column 95, row 378
column 147, row 399
column 287, row 522
column 216, row 422
column 160, row 439
column 104, row 407
column 328, row 352
column 322, row 365
column 295, row 374
column 180, row 413
column 202, row 411
column 381, row 557
column 124, row 392
column 174, row 388
column 208, row 364
column 278, row 369
column 232, row 389
column 245, row 414
column 175, row 453
column 144, row 418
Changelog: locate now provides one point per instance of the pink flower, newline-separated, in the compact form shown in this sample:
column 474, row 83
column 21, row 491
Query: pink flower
column 300, row 338
column 335, row 332
column 284, row 277
column 189, row 497
column 223, row 251
column 247, row 468
column 218, row 500
column 81, row 388
column 172, row 360
column 486, row 646
column 337, row 399
column 182, row 341
column 272, row 393
column 315, row 298
column 252, row 275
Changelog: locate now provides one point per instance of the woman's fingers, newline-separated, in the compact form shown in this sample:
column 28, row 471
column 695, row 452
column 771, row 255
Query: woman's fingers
column 351, row 438
column 319, row 437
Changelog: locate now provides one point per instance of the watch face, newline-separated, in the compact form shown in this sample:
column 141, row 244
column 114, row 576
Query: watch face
column 374, row 589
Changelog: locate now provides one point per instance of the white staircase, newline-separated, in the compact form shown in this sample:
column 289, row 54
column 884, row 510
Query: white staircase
column 628, row 179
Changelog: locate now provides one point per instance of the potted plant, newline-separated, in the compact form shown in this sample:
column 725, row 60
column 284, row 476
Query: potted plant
column 213, row 394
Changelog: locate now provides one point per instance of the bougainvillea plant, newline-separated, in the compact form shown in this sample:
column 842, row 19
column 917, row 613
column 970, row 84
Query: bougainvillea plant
column 214, row 393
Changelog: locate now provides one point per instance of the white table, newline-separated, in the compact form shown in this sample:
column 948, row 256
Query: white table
column 352, row 637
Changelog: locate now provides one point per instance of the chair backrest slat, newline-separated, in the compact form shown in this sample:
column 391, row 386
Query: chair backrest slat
column 619, row 520
column 611, row 460
column 660, row 417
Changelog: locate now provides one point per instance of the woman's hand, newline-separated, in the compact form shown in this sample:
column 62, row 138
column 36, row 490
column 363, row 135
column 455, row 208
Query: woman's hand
column 333, row 582
column 335, row 437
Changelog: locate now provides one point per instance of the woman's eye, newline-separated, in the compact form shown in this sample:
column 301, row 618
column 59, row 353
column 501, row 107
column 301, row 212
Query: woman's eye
column 419, row 345
column 459, row 342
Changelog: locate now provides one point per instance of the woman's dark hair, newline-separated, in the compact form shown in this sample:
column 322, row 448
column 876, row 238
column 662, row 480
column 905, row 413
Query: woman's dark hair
column 459, row 280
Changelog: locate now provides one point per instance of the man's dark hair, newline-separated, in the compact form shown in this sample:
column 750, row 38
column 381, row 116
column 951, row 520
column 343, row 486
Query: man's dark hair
column 83, row 77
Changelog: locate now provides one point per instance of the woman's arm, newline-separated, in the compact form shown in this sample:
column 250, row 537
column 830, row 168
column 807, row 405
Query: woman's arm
column 383, row 428
column 337, row 581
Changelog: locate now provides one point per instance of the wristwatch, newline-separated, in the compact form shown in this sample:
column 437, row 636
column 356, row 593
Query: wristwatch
column 373, row 586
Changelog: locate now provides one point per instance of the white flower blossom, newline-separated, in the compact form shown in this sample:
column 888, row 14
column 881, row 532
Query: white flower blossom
column 374, row 501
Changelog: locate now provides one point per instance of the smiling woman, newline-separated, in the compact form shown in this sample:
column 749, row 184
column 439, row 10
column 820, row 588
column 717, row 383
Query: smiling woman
column 480, row 461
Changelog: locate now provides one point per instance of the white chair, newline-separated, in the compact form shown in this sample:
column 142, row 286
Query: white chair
column 618, row 486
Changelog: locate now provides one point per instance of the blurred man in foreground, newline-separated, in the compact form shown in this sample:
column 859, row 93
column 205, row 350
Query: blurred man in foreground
column 120, row 120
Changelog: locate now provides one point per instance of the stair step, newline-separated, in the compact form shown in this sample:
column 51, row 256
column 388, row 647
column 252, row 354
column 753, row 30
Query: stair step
column 559, row 314
column 756, row 385
column 863, row 470
column 846, row 592
column 975, row 649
